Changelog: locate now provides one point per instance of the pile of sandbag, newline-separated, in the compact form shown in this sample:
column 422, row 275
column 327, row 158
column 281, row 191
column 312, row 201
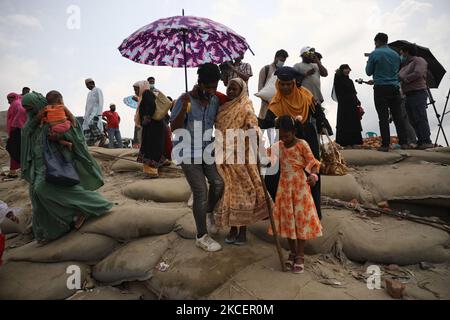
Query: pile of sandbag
column 383, row 240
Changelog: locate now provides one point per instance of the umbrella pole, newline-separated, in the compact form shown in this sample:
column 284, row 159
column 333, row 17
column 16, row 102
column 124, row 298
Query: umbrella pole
column 185, row 62
column 184, row 54
column 438, row 116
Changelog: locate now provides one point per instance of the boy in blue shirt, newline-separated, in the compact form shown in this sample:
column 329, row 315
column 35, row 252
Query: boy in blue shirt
column 195, row 112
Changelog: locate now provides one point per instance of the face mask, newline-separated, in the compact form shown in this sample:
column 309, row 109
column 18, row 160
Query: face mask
column 280, row 64
column 152, row 86
column 402, row 59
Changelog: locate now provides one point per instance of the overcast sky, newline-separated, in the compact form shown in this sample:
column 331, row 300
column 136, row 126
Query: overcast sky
column 38, row 50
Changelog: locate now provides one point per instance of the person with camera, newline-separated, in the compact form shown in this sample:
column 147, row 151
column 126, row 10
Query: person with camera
column 238, row 69
column 312, row 69
column 383, row 65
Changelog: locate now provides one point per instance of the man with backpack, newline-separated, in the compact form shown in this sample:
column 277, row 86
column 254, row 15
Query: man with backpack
column 266, row 73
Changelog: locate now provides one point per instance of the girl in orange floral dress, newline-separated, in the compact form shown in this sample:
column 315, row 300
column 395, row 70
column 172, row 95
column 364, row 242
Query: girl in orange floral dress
column 295, row 214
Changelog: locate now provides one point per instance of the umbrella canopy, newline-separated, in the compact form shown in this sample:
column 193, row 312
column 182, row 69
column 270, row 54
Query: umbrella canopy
column 130, row 102
column 162, row 43
column 435, row 70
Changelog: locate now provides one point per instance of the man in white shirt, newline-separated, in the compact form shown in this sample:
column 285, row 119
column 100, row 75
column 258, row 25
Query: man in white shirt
column 311, row 67
column 92, row 124
column 266, row 73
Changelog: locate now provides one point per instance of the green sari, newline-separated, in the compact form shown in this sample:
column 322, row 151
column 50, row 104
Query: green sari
column 56, row 207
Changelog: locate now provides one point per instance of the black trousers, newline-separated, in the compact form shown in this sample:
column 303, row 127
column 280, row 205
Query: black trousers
column 387, row 97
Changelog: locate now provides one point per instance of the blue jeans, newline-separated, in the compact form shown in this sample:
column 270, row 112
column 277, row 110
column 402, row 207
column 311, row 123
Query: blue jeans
column 416, row 106
column 114, row 133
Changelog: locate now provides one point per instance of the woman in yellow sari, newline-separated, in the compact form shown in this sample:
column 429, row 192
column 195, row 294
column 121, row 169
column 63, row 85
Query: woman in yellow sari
column 243, row 202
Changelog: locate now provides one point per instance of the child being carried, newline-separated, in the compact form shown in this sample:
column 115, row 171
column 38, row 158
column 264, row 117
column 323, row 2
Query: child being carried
column 58, row 117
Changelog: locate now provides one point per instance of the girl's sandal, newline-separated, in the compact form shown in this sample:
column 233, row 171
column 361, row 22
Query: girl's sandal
column 80, row 221
column 289, row 264
column 299, row 268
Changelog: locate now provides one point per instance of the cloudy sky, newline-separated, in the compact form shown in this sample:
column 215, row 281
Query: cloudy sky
column 37, row 49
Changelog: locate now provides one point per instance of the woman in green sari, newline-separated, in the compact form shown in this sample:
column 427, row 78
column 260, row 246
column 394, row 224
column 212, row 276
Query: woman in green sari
column 57, row 209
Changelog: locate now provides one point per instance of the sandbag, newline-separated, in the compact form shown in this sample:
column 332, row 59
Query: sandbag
column 383, row 240
column 344, row 188
column 407, row 180
column 193, row 273
column 159, row 190
column 75, row 246
column 269, row 90
column 105, row 293
column 394, row 242
column 111, row 154
column 9, row 227
column 264, row 281
column 370, row 157
column 330, row 231
column 37, row 281
column 417, row 156
column 134, row 261
column 185, row 227
column 129, row 165
column 439, row 149
column 136, row 221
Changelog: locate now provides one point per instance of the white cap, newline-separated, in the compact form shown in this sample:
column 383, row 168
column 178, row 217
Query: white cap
column 305, row 49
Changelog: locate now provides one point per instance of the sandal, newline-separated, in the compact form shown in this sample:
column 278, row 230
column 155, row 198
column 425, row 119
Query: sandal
column 10, row 177
column 299, row 268
column 79, row 222
column 290, row 262
column 240, row 241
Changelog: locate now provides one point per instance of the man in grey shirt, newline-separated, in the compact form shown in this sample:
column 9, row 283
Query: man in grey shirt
column 311, row 67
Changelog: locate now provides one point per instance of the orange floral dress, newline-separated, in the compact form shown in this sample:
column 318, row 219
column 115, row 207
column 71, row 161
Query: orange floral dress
column 295, row 214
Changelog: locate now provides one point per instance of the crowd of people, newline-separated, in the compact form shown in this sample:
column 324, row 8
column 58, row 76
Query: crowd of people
column 225, row 194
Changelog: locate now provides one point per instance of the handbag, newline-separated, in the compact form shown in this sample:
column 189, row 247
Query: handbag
column 331, row 161
column 163, row 105
column 360, row 111
column 59, row 170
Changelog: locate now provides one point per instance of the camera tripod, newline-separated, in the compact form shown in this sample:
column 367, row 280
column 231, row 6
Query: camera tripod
column 438, row 116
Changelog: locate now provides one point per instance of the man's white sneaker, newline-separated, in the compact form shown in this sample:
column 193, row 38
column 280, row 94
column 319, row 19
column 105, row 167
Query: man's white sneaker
column 208, row 244
column 211, row 224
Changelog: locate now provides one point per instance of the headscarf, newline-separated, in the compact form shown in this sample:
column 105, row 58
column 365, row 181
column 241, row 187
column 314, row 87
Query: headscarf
column 36, row 102
column 17, row 115
column 297, row 103
column 143, row 86
column 230, row 113
column 4, row 210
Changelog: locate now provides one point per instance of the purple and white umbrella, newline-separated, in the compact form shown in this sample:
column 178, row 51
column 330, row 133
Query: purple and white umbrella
column 183, row 41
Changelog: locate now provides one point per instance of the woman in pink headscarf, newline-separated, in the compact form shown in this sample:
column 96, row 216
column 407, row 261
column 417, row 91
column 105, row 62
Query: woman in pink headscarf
column 16, row 119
